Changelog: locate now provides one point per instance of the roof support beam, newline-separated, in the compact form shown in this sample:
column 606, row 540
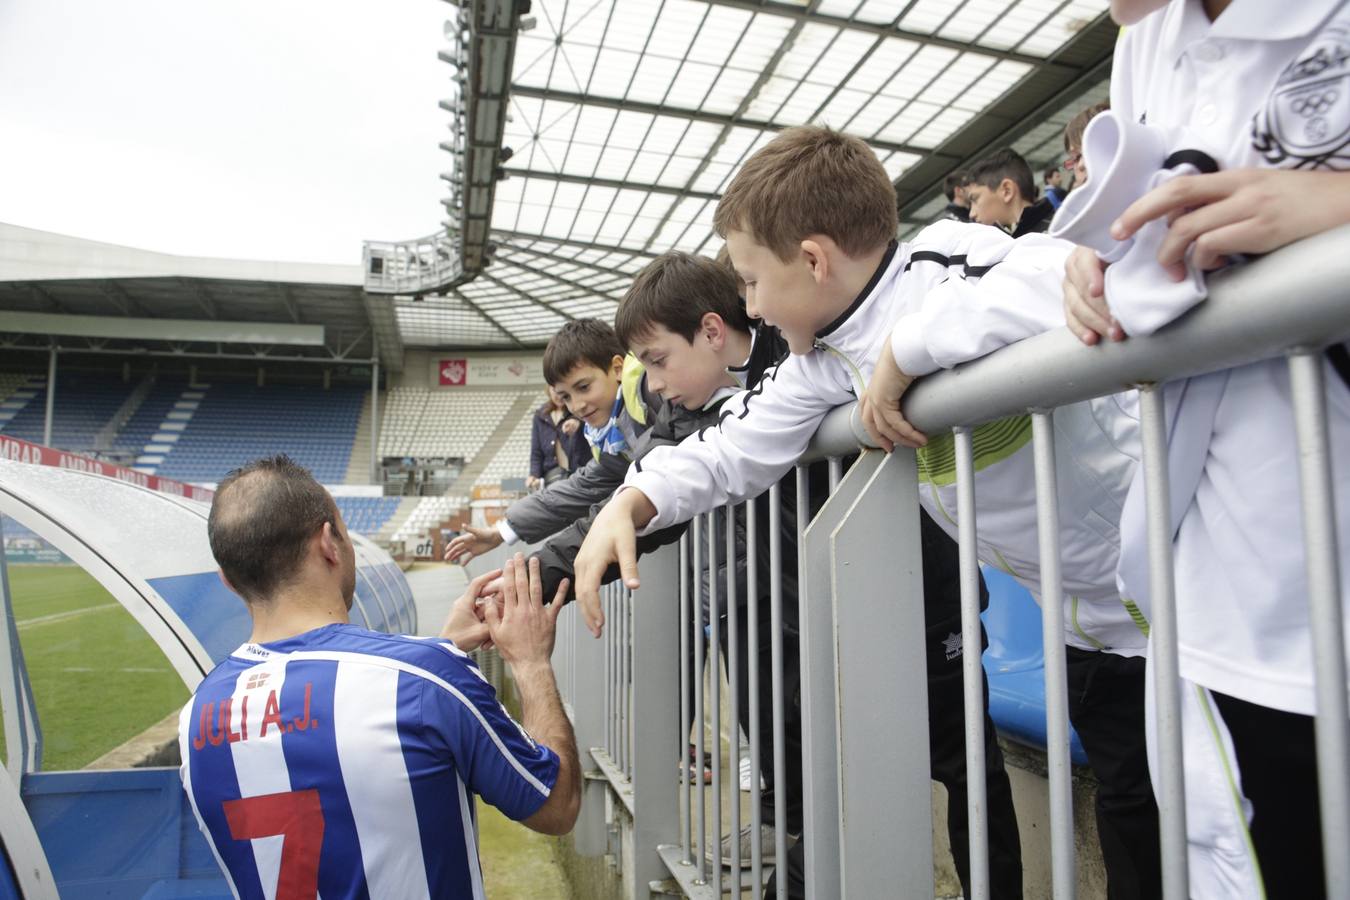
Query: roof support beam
column 656, row 109
column 47, row 299
column 589, row 181
column 487, row 317
column 920, row 183
column 580, row 245
column 778, row 8
column 119, row 296
column 526, row 297
column 750, row 96
column 599, row 270
column 287, row 301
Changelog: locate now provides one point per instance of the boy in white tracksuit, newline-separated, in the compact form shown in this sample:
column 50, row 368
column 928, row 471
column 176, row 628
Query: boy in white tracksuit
column 997, row 290
column 1254, row 87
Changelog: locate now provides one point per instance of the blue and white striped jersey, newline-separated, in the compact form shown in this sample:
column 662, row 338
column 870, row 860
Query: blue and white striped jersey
column 342, row 763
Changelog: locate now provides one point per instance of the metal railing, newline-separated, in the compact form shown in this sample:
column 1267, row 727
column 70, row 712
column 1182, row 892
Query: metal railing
column 867, row 814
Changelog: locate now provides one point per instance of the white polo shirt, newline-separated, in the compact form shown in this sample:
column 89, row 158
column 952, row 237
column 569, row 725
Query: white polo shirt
column 1265, row 85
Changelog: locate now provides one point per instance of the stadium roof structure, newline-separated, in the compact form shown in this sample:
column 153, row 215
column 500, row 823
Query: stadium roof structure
column 622, row 121
column 92, row 297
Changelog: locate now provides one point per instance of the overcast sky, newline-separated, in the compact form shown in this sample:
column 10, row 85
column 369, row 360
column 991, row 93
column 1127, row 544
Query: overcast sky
column 281, row 130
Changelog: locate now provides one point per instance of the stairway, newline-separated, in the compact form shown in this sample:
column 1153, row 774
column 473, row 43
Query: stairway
column 523, row 406
column 358, row 465
column 387, row 530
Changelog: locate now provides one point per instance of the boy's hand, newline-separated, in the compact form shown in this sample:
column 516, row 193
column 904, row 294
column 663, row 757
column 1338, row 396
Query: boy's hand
column 1237, row 211
column 881, row 405
column 464, row 626
column 1085, row 309
column 612, row 538
column 472, row 542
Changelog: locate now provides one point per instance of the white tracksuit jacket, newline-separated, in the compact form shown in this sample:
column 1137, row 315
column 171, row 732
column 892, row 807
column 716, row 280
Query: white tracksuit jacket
column 960, row 291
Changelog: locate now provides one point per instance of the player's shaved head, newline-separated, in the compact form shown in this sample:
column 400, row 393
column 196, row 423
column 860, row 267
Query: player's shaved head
column 262, row 519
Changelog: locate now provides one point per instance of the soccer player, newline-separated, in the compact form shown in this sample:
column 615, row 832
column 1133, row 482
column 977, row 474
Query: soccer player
column 322, row 758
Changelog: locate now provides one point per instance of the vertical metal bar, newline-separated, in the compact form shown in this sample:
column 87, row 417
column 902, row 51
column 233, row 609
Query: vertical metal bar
column 1320, row 540
column 696, row 538
column 51, row 398
column 1163, row 645
column 609, row 671
column 374, row 421
column 1056, row 675
column 977, row 802
column 715, row 678
column 836, row 467
column 621, row 614
column 752, row 651
column 686, row 783
column 653, row 614
column 776, row 676
column 628, row 733
column 733, row 696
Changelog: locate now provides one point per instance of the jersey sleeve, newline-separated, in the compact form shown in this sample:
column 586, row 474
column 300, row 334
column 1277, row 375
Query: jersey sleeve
column 760, row 434
column 1007, row 290
column 494, row 755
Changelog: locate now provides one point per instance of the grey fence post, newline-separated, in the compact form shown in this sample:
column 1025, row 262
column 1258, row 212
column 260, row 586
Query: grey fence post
column 820, row 750
column 885, row 800
column 656, row 700
column 590, row 837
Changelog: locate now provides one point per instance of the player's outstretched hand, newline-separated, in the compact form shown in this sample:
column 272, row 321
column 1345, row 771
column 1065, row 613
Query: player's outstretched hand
column 881, row 414
column 465, row 626
column 1237, row 211
column 612, row 538
column 472, row 542
column 523, row 627
column 1085, row 310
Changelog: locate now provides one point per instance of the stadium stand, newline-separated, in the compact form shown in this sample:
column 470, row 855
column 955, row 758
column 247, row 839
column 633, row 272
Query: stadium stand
column 146, row 420
column 513, row 459
column 428, row 512
column 366, row 515
column 84, row 404
column 423, row 423
column 236, row 423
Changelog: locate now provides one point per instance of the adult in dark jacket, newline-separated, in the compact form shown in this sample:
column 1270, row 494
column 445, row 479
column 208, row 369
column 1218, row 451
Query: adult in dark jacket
column 557, row 443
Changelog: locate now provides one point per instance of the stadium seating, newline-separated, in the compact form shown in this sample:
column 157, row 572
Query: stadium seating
column 84, row 404
column 145, row 422
column 420, row 422
column 513, row 459
column 366, row 515
column 428, row 512
column 236, row 423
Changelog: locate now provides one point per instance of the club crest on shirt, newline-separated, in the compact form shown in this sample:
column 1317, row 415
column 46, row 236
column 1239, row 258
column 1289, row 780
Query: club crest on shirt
column 952, row 645
column 1305, row 123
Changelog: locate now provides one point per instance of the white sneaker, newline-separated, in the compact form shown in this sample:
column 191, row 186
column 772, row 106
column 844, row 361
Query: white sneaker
column 746, row 775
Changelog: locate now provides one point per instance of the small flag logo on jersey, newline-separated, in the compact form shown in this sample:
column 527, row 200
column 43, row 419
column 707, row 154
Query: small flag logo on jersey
column 256, row 680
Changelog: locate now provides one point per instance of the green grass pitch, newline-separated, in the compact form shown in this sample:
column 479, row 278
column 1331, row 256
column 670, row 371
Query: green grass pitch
column 97, row 677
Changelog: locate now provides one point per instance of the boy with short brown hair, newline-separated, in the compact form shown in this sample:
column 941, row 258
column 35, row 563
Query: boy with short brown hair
column 810, row 225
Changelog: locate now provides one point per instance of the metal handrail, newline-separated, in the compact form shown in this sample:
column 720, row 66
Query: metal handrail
column 1247, row 317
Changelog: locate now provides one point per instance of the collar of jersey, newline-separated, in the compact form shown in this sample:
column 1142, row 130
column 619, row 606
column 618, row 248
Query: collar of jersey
column 864, row 294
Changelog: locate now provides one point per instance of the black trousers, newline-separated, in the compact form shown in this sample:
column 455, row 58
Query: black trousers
column 946, row 731
column 1106, row 706
column 1277, row 757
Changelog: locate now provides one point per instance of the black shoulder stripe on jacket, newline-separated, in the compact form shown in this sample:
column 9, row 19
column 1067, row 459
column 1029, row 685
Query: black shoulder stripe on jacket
column 959, row 259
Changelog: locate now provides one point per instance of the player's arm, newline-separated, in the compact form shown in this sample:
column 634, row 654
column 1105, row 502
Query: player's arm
column 762, row 433
column 523, row 631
